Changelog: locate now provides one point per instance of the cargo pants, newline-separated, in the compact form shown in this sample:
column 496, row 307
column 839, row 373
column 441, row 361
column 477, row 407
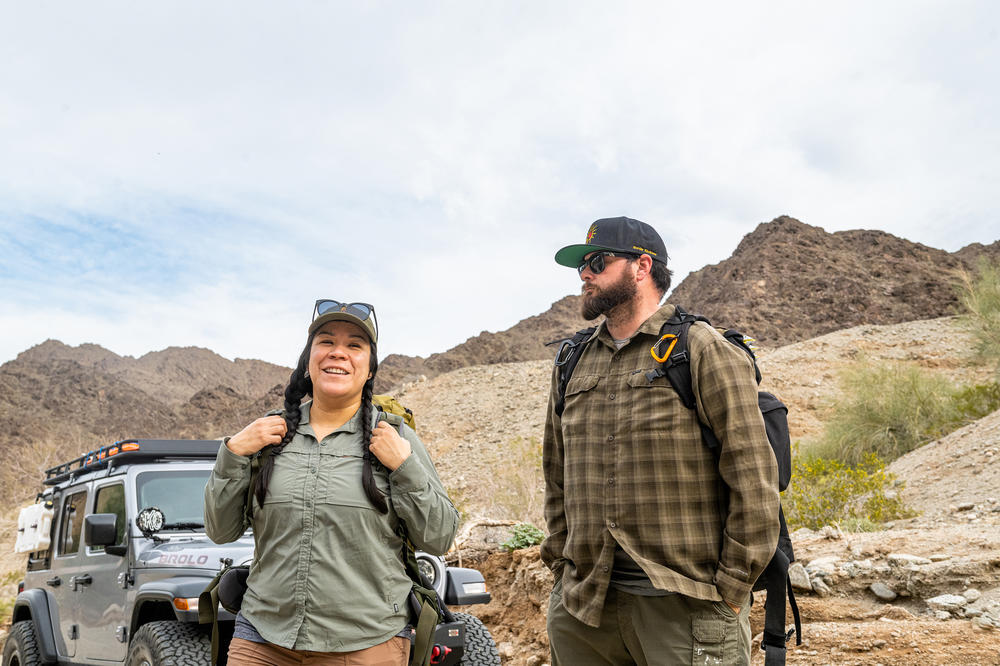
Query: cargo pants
column 650, row 631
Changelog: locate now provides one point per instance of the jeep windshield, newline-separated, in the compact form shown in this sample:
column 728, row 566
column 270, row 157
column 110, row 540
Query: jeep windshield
column 179, row 494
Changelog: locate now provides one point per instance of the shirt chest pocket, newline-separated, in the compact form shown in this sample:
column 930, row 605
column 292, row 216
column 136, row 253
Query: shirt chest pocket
column 341, row 481
column 580, row 410
column 655, row 405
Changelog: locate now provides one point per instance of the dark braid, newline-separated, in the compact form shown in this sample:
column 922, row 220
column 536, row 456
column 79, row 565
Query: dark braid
column 299, row 386
column 375, row 496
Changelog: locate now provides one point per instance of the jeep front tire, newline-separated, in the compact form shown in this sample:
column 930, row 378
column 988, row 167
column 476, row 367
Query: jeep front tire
column 21, row 648
column 168, row 643
column 480, row 648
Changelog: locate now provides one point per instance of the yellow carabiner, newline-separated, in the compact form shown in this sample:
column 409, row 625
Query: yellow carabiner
column 666, row 355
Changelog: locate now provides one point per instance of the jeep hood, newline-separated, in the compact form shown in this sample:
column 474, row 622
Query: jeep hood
column 197, row 552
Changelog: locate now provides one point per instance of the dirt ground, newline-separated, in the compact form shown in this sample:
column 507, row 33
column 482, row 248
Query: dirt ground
column 836, row 630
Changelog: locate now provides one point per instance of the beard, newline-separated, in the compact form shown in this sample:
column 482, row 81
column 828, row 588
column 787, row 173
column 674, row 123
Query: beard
column 602, row 301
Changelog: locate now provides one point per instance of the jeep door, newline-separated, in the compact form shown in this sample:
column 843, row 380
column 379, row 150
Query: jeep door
column 101, row 609
column 66, row 565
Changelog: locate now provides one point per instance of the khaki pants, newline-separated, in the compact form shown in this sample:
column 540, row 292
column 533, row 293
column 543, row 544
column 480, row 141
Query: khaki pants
column 650, row 631
column 394, row 652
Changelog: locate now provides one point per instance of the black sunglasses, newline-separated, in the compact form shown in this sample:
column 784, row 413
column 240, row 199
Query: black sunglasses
column 596, row 263
column 360, row 310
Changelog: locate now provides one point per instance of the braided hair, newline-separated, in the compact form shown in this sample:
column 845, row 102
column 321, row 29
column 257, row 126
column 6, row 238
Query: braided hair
column 300, row 385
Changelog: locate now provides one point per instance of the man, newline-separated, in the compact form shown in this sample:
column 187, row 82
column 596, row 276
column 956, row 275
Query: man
column 654, row 544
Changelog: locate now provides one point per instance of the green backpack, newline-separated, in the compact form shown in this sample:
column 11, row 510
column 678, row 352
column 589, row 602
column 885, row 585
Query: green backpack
column 229, row 585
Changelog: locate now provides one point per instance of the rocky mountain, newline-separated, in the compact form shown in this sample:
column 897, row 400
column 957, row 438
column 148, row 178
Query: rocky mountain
column 88, row 392
column 789, row 281
column 525, row 341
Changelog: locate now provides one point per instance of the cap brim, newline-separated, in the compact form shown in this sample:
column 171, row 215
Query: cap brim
column 572, row 255
column 364, row 325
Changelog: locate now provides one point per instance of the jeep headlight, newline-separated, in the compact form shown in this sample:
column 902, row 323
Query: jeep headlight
column 427, row 570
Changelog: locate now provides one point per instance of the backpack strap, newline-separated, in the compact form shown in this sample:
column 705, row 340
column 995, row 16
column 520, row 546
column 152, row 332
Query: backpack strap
column 567, row 356
column 676, row 365
column 425, row 606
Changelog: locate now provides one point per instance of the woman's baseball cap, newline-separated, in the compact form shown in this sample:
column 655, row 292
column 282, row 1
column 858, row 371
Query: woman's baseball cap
column 361, row 314
column 616, row 234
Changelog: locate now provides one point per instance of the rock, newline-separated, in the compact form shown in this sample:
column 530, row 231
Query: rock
column 506, row 649
column 823, row 566
column 883, row 591
column 533, row 660
column 802, row 533
column 879, row 644
column 965, row 506
column 942, row 615
column 903, row 559
column 820, row 588
column 799, row 577
column 984, row 622
column 939, row 557
column 972, row 594
column 947, row 602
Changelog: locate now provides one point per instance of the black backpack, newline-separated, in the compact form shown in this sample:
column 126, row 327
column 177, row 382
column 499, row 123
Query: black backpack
column 671, row 351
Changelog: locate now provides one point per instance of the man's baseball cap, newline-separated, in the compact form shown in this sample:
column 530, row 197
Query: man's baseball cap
column 616, row 234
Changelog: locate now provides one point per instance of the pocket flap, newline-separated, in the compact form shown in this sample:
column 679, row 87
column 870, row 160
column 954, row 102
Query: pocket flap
column 581, row 384
column 708, row 630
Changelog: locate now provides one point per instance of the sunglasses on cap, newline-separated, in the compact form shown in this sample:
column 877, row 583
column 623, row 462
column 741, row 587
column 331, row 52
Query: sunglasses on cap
column 362, row 311
column 596, row 263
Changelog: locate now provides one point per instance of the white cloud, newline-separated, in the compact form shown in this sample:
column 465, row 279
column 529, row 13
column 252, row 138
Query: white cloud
column 431, row 158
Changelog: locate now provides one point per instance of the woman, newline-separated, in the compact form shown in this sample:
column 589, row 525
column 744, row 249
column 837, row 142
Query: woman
column 327, row 584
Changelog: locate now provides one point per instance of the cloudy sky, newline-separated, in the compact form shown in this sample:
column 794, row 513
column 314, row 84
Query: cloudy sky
column 191, row 173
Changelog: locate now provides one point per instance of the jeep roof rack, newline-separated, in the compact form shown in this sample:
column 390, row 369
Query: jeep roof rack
column 133, row 450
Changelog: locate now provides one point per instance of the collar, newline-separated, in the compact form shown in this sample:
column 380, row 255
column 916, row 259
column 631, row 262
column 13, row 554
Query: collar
column 353, row 424
column 650, row 327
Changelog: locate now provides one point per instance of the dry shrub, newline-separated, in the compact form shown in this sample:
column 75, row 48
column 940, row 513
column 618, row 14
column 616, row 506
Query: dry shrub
column 980, row 293
column 517, row 486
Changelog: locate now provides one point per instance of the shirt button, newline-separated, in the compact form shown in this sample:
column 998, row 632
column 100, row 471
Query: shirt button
column 611, row 481
column 611, row 397
column 313, row 469
column 605, row 568
column 323, row 443
column 611, row 438
column 613, row 524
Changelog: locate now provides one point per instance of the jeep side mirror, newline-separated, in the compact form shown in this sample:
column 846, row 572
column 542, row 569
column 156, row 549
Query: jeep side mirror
column 100, row 529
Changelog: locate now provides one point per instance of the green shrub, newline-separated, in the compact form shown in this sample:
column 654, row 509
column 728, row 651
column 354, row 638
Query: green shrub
column 980, row 294
column 887, row 409
column 827, row 492
column 523, row 535
column 974, row 402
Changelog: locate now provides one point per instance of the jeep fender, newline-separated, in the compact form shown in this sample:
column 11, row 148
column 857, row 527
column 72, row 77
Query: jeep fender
column 164, row 591
column 34, row 605
column 456, row 592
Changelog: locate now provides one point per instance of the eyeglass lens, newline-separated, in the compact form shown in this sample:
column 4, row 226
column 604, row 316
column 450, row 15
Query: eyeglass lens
column 359, row 310
column 595, row 263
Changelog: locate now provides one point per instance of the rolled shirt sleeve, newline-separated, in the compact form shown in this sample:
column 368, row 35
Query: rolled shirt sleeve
column 420, row 500
column 726, row 389
column 225, row 496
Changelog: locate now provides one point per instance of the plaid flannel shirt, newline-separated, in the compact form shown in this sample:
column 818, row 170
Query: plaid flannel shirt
column 626, row 463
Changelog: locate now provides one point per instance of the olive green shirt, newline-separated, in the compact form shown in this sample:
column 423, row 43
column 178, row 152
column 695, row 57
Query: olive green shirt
column 625, row 465
column 328, row 575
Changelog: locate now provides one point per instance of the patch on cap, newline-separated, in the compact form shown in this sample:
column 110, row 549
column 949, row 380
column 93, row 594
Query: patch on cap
column 592, row 232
